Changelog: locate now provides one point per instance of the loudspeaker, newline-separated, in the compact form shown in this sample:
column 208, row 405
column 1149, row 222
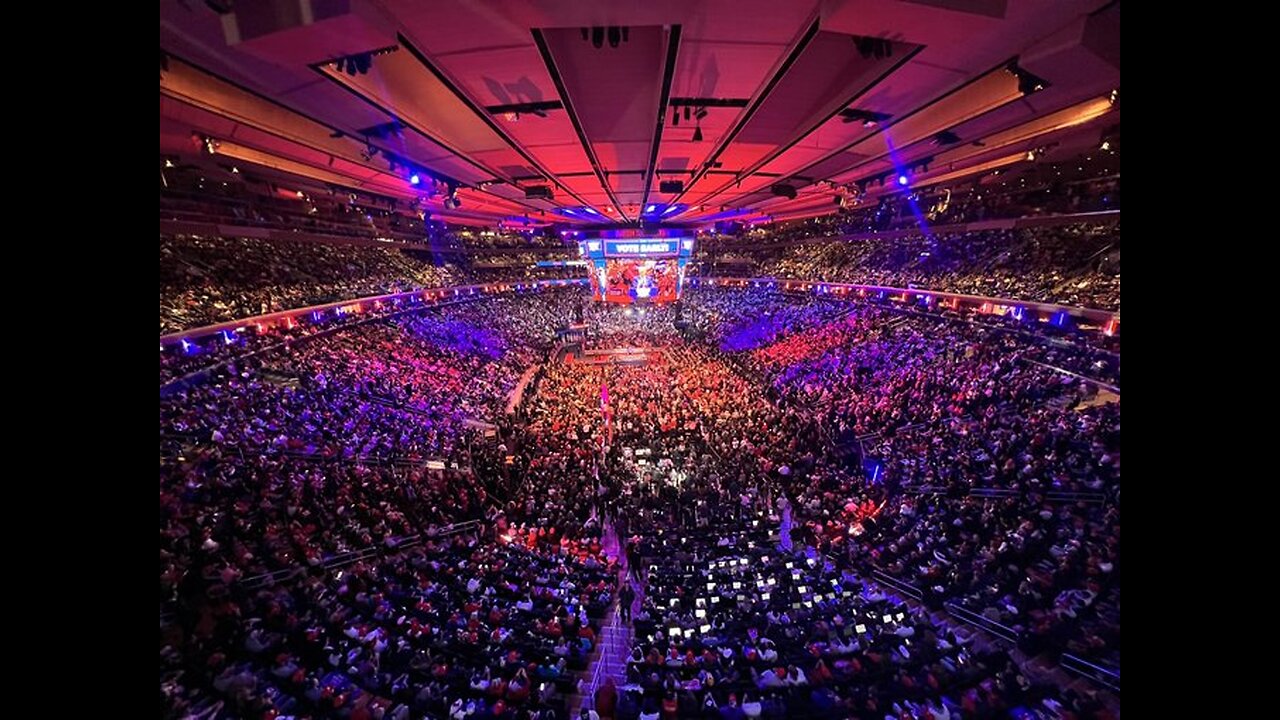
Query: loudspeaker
column 785, row 191
column 671, row 186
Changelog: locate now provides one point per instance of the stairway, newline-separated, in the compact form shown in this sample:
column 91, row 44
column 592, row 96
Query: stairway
column 608, row 660
column 609, row 657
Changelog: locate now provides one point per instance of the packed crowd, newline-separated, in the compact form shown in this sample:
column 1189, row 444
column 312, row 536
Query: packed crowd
column 308, row 568
column 212, row 202
column 209, row 280
column 1075, row 265
column 514, row 239
column 452, row 627
column 733, row 624
column 997, row 473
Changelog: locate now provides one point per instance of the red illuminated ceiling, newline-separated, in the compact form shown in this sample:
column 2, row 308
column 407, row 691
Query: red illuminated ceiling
column 729, row 97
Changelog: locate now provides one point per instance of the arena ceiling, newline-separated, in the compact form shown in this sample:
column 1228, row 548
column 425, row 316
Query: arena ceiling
column 602, row 102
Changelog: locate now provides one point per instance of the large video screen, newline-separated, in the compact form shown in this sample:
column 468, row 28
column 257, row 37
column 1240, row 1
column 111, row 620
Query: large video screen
column 629, row 280
column 637, row 270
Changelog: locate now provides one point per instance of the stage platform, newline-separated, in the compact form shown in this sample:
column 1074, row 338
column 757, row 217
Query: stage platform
column 617, row 356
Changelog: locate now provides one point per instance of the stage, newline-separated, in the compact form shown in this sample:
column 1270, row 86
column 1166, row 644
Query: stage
column 617, row 356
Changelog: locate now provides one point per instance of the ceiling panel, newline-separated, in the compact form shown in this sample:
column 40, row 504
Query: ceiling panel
column 782, row 88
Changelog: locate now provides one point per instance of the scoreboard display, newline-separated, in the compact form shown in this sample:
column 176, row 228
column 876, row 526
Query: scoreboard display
column 637, row 270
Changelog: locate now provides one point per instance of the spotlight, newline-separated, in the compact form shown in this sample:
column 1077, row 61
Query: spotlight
column 675, row 118
column 697, row 134
column 452, row 201
column 1031, row 155
column 701, row 113
column 1106, row 145
column 903, row 179
column 414, row 179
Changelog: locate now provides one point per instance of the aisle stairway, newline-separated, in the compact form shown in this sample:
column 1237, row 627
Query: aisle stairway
column 609, row 658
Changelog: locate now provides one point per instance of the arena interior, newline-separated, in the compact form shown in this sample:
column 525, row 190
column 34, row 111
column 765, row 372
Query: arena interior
column 622, row 360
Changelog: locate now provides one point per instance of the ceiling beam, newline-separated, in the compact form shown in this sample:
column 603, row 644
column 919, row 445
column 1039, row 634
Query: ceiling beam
column 558, row 79
column 529, row 108
column 884, row 128
column 778, row 151
column 708, row 102
column 668, row 75
column 807, row 37
column 485, row 116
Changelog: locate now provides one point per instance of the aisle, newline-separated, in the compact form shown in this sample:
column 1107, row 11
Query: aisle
column 609, row 543
column 615, row 639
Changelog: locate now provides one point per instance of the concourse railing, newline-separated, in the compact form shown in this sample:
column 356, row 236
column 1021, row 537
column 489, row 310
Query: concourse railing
column 348, row 558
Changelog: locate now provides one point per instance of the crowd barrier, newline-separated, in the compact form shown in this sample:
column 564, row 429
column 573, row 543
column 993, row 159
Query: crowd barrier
column 897, row 585
column 1106, row 321
column 1106, row 676
column 1004, row 632
column 354, row 556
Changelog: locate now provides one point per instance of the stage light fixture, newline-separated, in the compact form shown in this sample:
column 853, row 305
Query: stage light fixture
column 615, row 36
column 1027, row 83
column 697, row 134
column 415, row 179
column 597, row 37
